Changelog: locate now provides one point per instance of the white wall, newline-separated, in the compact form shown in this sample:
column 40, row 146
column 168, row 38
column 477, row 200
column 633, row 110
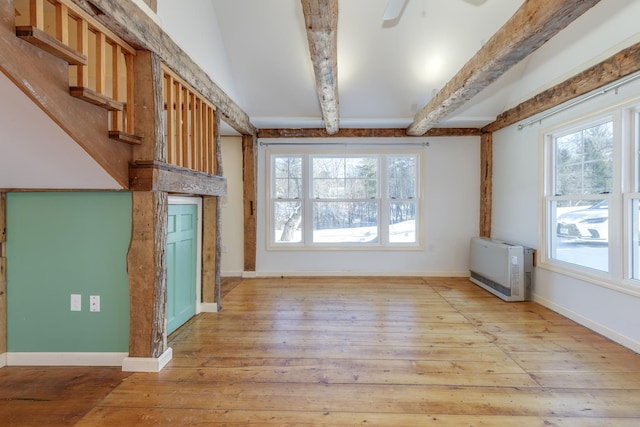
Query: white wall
column 517, row 166
column 451, row 216
column 517, row 207
column 232, row 262
column 193, row 25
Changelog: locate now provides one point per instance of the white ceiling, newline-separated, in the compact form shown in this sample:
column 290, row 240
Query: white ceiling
column 385, row 72
column 257, row 51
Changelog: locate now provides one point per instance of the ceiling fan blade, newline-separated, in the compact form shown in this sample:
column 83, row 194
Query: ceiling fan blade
column 476, row 2
column 393, row 9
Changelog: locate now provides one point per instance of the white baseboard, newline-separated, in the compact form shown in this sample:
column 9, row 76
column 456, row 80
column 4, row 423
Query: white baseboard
column 3, row 360
column 231, row 273
column 585, row 321
column 253, row 274
column 147, row 364
column 209, row 307
column 64, row 359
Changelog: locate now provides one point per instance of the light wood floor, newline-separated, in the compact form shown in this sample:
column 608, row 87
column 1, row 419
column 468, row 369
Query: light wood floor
column 353, row 351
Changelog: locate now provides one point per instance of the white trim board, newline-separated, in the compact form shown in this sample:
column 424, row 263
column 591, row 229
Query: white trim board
column 255, row 274
column 64, row 359
column 147, row 364
column 209, row 307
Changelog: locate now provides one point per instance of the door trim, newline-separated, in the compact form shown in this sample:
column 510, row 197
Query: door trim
column 187, row 200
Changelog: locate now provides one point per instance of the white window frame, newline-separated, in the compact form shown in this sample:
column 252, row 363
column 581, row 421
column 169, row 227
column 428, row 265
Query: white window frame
column 382, row 153
column 626, row 166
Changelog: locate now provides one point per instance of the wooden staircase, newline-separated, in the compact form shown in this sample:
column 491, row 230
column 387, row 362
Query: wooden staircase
column 100, row 62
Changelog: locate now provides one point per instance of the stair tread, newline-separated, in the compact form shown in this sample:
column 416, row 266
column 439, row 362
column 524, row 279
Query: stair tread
column 50, row 44
column 96, row 98
column 125, row 137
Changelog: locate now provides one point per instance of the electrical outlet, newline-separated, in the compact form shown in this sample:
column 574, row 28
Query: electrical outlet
column 94, row 303
column 76, row 302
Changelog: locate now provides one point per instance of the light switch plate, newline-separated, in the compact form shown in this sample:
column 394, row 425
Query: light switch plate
column 76, row 302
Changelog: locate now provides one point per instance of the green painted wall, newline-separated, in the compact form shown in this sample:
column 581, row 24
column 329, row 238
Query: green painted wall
column 60, row 244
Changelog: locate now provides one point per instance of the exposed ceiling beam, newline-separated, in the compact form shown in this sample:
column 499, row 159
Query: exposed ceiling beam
column 616, row 67
column 321, row 22
column 362, row 133
column 128, row 21
column 535, row 22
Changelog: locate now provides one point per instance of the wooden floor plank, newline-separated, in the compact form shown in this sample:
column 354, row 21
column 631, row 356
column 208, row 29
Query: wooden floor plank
column 152, row 417
column 355, row 351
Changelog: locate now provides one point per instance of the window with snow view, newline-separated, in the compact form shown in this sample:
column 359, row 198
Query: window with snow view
column 347, row 199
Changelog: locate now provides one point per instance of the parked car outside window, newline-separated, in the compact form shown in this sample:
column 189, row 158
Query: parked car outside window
column 590, row 224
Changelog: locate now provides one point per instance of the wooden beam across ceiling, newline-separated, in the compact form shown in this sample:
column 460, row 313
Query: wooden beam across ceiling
column 616, row 67
column 321, row 21
column 128, row 21
column 533, row 24
column 362, row 133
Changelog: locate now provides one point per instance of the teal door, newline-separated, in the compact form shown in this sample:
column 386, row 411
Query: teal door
column 181, row 264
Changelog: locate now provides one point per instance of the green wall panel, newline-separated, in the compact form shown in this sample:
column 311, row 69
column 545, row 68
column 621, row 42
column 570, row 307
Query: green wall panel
column 60, row 244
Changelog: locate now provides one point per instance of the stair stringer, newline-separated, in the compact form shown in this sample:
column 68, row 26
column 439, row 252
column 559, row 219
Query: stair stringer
column 45, row 79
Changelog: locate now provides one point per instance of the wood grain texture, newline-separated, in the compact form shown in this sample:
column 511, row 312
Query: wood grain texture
column 385, row 351
column 535, row 22
column 45, row 79
column 616, row 67
column 50, row 44
column 54, row 396
column 146, row 268
column 486, row 184
column 149, row 108
column 158, row 176
column 129, row 22
column 362, row 133
column 249, row 167
column 321, row 22
column 209, row 251
column 218, row 212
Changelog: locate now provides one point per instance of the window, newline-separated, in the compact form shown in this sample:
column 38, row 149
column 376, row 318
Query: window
column 592, row 198
column 349, row 199
column 582, row 183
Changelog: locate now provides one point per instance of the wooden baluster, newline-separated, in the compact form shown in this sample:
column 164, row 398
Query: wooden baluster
column 117, row 117
column 203, row 137
column 197, row 126
column 82, row 71
column 192, row 130
column 209, row 139
column 36, row 14
column 130, row 111
column 62, row 23
column 101, row 65
column 170, row 126
column 179, row 123
column 185, row 127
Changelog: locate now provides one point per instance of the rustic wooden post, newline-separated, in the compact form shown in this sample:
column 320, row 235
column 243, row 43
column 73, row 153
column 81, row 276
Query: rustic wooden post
column 209, row 251
column 3, row 277
column 249, row 144
column 211, row 231
column 219, row 171
column 146, row 260
column 486, row 183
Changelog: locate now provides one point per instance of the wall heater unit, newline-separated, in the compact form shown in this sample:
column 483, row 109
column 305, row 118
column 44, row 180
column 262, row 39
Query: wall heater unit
column 501, row 268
